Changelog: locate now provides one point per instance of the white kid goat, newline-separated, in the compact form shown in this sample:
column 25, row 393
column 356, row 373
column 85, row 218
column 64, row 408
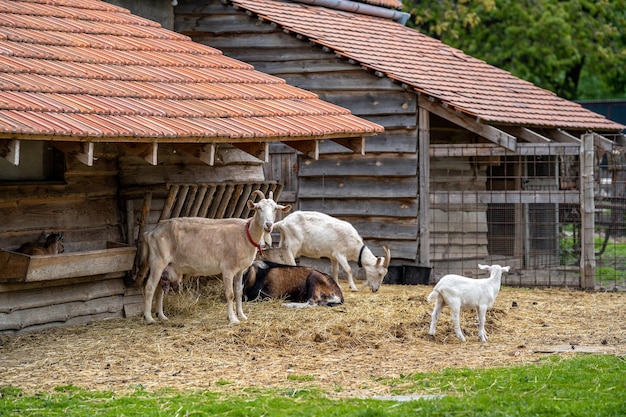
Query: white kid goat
column 318, row 235
column 462, row 293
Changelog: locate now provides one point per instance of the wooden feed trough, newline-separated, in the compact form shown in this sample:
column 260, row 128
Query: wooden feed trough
column 18, row 267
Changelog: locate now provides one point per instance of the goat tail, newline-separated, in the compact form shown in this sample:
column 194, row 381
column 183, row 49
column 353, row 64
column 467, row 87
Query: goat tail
column 432, row 297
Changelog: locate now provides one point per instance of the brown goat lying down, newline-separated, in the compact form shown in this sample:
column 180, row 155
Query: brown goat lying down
column 299, row 284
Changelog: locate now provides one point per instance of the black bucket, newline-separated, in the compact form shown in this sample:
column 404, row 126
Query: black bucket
column 416, row 274
column 395, row 275
column 407, row 275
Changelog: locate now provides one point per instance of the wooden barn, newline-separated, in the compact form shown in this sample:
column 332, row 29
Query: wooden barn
column 475, row 165
column 109, row 122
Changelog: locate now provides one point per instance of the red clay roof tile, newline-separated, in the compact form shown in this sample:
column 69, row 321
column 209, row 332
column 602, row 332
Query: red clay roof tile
column 85, row 69
column 429, row 66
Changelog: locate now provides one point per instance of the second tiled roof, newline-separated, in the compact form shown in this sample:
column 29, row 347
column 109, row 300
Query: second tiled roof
column 431, row 67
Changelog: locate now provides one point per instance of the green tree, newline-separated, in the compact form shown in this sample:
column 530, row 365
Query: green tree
column 575, row 48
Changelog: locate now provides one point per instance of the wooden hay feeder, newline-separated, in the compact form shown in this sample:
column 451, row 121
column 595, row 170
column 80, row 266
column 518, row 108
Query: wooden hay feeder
column 18, row 267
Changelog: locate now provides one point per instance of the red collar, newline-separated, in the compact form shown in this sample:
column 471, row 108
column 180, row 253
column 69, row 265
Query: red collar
column 256, row 245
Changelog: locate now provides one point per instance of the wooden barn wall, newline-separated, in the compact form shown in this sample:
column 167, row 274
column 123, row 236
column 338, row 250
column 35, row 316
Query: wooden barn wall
column 85, row 207
column 137, row 178
column 376, row 192
column 92, row 206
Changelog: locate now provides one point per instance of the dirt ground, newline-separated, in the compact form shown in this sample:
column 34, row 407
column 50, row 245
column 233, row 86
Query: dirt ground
column 345, row 350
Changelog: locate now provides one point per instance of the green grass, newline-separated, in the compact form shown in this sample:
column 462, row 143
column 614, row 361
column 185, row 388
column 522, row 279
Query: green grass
column 585, row 385
column 610, row 266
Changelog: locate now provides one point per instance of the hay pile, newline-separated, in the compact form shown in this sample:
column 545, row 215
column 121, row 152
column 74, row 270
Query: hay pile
column 344, row 350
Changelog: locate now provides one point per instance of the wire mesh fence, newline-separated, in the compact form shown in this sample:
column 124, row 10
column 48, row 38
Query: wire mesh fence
column 523, row 209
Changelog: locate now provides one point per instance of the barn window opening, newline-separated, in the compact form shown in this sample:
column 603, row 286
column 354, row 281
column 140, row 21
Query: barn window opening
column 39, row 162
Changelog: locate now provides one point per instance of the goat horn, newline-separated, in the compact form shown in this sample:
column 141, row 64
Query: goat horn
column 259, row 192
column 387, row 256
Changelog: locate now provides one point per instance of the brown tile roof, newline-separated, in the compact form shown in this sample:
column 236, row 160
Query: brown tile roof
column 431, row 67
column 85, row 69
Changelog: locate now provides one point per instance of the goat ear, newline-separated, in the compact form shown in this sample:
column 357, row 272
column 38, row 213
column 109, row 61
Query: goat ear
column 285, row 209
column 506, row 268
column 251, row 205
column 483, row 266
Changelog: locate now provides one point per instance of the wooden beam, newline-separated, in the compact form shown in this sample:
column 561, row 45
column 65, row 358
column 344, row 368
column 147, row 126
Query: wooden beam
column 10, row 150
column 446, row 198
column 491, row 149
column 354, row 144
column 146, row 151
column 603, row 143
column 562, row 136
column 488, row 132
column 308, row 147
column 259, row 150
column 526, row 134
column 82, row 151
column 202, row 151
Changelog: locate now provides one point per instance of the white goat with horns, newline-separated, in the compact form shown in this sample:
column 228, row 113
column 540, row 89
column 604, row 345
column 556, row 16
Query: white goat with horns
column 200, row 246
column 318, row 235
column 461, row 293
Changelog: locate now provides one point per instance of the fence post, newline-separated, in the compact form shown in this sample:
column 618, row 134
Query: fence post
column 423, row 155
column 587, row 210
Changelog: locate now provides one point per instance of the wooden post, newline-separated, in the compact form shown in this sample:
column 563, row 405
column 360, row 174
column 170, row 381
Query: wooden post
column 587, row 210
column 423, row 161
column 145, row 210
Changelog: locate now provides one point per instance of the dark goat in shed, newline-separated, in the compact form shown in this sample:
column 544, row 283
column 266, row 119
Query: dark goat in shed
column 52, row 245
column 299, row 284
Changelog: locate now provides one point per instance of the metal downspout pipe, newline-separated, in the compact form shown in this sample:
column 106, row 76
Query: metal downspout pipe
column 367, row 9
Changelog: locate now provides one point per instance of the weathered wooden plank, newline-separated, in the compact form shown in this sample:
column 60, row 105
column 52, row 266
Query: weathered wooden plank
column 491, row 149
column 380, row 166
column 41, row 297
column 485, row 197
column 259, row 40
column 60, row 313
column 258, row 56
column 74, row 321
column 19, row 267
column 364, row 187
column 57, row 214
column 146, row 174
column 392, row 140
column 353, row 207
column 377, row 228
